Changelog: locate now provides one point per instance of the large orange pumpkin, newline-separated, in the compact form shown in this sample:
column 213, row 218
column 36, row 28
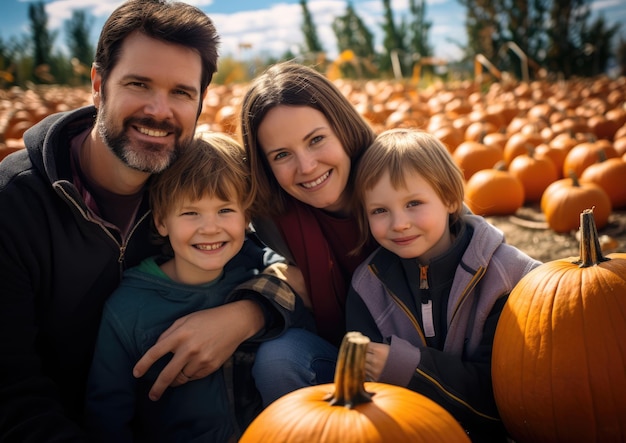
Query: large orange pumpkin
column 559, row 352
column 494, row 192
column 564, row 199
column 352, row 411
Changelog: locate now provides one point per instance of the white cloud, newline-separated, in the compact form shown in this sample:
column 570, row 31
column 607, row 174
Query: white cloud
column 271, row 30
column 276, row 28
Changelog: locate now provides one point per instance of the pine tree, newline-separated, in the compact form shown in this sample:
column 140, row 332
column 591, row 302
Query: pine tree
column 312, row 43
column 393, row 41
column 80, row 48
column 42, row 41
column 353, row 35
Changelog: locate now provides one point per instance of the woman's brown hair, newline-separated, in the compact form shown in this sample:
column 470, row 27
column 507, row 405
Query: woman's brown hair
column 292, row 84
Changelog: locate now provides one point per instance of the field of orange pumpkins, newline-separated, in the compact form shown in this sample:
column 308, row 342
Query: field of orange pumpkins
column 534, row 155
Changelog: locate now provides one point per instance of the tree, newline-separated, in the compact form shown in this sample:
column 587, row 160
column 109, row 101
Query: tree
column 42, row 42
column 621, row 56
column 16, row 65
column 7, row 65
column 552, row 33
column 588, row 49
column 393, row 41
column 418, row 31
column 490, row 24
column 353, row 35
column 78, row 43
column 311, row 41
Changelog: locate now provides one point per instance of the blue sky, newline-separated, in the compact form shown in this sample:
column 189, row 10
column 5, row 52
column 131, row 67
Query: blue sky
column 273, row 26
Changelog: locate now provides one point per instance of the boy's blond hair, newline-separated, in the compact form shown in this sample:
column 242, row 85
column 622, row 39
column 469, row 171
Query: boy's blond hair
column 402, row 152
column 214, row 165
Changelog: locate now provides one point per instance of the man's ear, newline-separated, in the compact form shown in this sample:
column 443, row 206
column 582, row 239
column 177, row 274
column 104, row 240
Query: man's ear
column 96, row 84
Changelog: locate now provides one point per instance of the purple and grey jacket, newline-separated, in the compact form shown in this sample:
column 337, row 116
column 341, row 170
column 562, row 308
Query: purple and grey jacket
column 478, row 277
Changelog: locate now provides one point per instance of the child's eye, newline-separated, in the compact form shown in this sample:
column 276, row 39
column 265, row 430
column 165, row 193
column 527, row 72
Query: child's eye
column 377, row 211
column 226, row 210
column 188, row 213
column 413, row 203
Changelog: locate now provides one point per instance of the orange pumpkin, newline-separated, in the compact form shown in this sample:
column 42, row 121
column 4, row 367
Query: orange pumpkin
column 352, row 411
column 477, row 130
column 564, row 199
column 556, row 155
column 473, row 156
column 450, row 136
column 609, row 175
column 602, row 127
column 518, row 144
column 620, row 145
column 585, row 154
column 536, row 174
column 559, row 349
column 494, row 192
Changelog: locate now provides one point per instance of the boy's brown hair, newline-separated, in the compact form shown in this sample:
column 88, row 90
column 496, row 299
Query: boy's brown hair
column 213, row 164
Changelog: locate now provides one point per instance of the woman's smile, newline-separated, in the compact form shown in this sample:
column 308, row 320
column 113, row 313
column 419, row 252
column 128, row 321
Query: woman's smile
column 305, row 156
column 316, row 182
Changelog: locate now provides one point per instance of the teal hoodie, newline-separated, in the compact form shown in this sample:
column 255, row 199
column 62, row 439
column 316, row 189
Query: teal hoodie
column 212, row 409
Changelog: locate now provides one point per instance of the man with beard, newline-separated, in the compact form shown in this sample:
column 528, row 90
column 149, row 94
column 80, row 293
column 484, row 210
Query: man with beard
column 73, row 217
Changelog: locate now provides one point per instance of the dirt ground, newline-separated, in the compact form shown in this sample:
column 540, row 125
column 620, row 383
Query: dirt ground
column 528, row 231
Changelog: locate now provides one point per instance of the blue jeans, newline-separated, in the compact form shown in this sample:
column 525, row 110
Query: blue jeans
column 296, row 359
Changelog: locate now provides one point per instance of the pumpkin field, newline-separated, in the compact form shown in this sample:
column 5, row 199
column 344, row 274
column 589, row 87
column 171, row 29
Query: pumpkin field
column 540, row 159
column 534, row 154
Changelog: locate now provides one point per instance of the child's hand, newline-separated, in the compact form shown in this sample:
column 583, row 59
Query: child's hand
column 375, row 360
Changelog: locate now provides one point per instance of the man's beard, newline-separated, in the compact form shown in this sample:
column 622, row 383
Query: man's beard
column 145, row 157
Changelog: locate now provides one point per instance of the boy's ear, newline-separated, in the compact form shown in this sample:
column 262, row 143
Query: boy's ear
column 160, row 227
column 453, row 207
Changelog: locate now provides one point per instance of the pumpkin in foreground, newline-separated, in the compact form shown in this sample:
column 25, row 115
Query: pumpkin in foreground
column 559, row 352
column 351, row 411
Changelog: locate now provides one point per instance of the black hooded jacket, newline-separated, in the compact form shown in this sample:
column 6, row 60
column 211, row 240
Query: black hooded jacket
column 58, row 265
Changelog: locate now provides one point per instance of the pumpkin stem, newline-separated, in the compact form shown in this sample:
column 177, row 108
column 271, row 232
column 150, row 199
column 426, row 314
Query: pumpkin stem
column 574, row 177
column 590, row 250
column 350, row 372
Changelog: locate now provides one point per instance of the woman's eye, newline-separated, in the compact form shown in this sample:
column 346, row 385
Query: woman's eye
column 318, row 138
column 182, row 92
column 280, row 156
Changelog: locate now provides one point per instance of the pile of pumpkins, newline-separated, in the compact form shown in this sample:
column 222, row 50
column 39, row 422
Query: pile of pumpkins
column 22, row 108
column 561, row 144
column 559, row 353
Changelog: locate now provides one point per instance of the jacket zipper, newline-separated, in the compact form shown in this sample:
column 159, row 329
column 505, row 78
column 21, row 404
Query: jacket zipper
column 87, row 216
